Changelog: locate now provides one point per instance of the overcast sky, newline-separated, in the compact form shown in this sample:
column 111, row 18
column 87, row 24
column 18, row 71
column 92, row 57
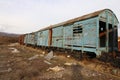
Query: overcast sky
column 23, row 16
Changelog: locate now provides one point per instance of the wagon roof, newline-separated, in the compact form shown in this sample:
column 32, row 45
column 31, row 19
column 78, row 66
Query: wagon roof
column 94, row 14
column 91, row 15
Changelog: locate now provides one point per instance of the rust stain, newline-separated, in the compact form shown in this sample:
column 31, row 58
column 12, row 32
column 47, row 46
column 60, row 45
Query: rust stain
column 104, row 33
column 21, row 39
column 50, row 37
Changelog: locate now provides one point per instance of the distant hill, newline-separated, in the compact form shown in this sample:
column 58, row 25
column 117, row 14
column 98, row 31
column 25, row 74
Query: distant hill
column 6, row 38
column 8, row 34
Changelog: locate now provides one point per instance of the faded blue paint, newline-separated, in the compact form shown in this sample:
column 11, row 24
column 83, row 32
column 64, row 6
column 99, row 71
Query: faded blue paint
column 25, row 39
column 107, row 33
column 80, row 42
column 68, row 36
column 84, row 40
column 29, row 39
column 88, row 40
column 87, row 37
column 42, row 38
column 98, row 52
column 110, row 18
column 36, row 38
column 57, row 37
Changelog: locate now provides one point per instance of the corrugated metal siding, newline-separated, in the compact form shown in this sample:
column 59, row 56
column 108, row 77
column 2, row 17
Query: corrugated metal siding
column 21, row 39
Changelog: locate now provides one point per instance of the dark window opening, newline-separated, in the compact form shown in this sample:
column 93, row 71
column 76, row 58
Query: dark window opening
column 115, row 37
column 110, row 26
column 77, row 30
column 110, row 37
column 102, row 33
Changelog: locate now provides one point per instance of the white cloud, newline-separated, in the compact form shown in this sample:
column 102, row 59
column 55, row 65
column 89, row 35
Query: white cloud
column 5, row 27
column 31, row 15
column 2, row 28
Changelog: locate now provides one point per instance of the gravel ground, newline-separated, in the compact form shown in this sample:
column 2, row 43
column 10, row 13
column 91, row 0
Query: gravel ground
column 24, row 63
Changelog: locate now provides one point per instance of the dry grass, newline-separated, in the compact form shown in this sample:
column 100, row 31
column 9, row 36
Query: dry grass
column 37, row 69
column 7, row 40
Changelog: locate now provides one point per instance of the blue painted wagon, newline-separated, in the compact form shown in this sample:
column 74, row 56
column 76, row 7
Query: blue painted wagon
column 30, row 39
column 95, row 32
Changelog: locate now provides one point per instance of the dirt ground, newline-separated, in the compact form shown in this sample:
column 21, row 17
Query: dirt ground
column 7, row 40
column 25, row 63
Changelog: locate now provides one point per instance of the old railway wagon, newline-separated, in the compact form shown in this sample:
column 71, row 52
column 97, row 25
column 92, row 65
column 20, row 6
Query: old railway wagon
column 95, row 33
column 21, row 39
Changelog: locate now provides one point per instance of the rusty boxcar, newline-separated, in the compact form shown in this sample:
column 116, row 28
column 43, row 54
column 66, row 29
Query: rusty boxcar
column 21, row 39
column 95, row 32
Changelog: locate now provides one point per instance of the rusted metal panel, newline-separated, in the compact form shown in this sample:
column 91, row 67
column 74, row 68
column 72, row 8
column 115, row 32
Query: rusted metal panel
column 50, row 37
column 21, row 39
column 119, row 45
column 110, row 30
